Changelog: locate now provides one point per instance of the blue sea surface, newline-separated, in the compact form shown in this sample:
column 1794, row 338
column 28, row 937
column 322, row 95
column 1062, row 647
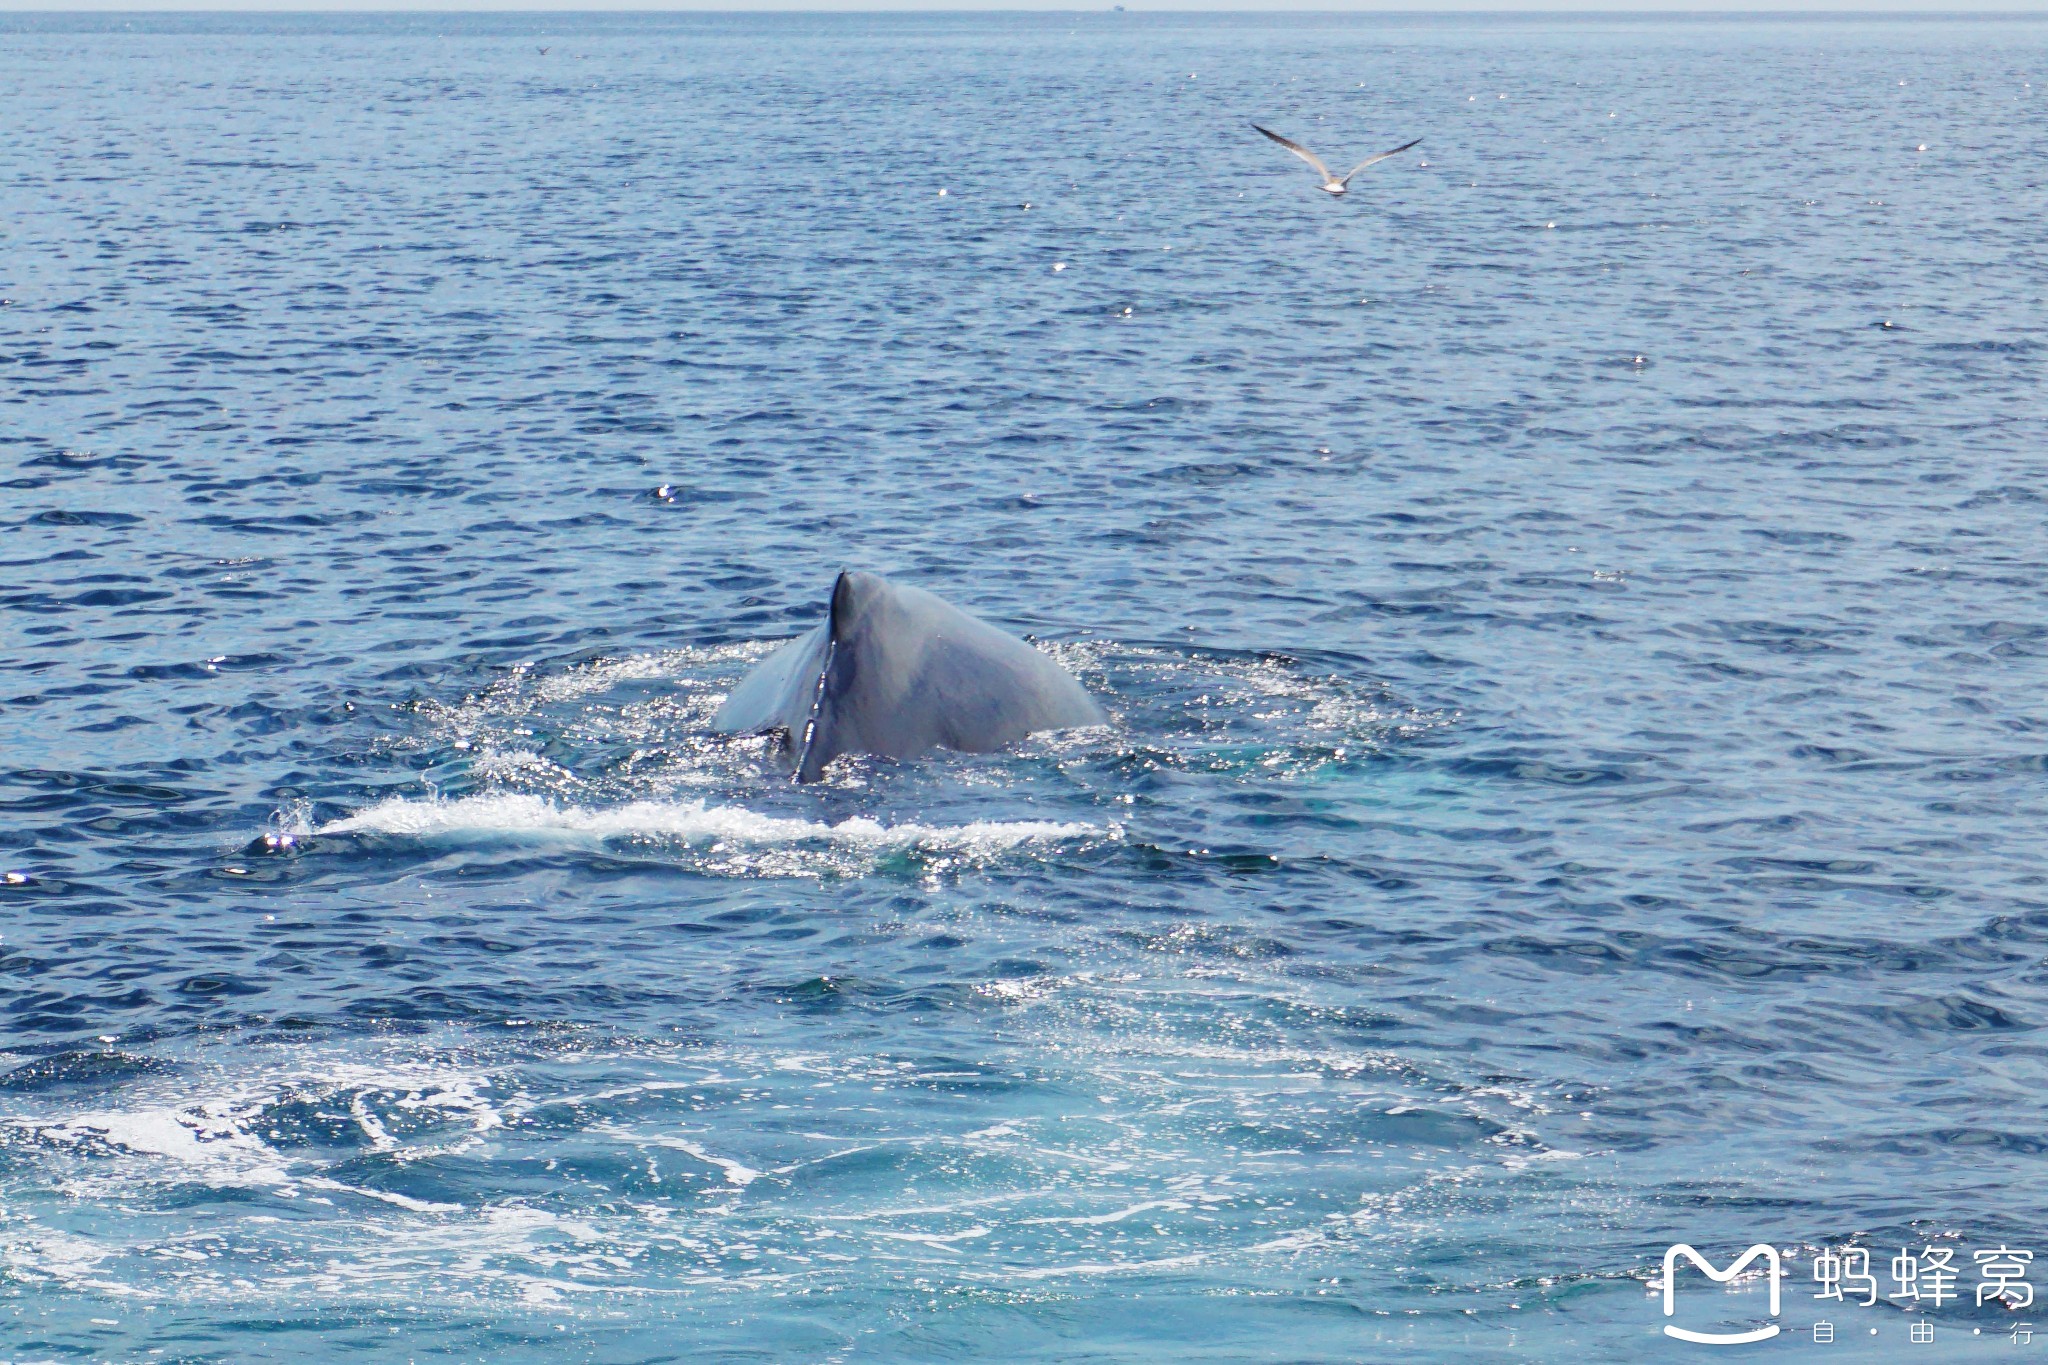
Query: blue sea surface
column 1573, row 613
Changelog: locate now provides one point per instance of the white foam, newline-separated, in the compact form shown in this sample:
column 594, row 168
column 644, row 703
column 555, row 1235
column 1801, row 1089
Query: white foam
column 943, row 1241
column 218, row 1139
column 207, row 1141
column 739, row 1174
column 515, row 816
column 1098, row 1219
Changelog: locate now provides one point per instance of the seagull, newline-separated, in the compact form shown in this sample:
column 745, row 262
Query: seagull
column 1331, row 183
column 543, row 52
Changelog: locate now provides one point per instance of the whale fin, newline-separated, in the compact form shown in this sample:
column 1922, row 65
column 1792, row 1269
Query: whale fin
column 897, row 671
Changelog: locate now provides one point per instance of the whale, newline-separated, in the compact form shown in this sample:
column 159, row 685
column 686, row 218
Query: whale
column 897, row 671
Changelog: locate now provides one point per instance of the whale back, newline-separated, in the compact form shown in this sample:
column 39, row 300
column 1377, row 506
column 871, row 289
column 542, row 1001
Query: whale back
column 897, row 671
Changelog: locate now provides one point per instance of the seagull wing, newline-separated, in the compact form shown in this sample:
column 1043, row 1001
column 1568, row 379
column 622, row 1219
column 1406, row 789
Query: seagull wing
column 1304, row 153
column 1381, row 157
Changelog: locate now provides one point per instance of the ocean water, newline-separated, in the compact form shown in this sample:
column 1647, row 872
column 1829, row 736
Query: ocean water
column 1573, row 616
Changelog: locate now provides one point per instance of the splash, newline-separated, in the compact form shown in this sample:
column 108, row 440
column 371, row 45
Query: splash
column 523, row 817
